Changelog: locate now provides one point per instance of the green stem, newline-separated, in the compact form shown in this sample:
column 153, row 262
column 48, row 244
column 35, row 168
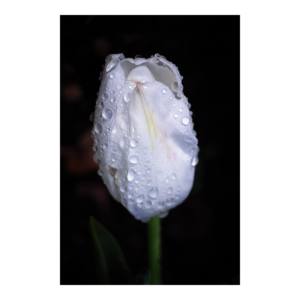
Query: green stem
column 154, row 249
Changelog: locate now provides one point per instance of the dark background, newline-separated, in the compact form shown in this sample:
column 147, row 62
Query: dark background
column 200, row 237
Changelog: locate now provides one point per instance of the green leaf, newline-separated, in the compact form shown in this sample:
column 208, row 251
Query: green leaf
column 111, row 264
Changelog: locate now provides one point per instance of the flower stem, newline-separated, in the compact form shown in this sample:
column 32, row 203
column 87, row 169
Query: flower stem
column 154, row 249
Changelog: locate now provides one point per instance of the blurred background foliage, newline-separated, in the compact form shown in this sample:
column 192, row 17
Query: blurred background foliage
column 200, row 237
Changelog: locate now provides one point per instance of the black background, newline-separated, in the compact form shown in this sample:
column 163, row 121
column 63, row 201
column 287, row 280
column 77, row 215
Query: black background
column 200, row 237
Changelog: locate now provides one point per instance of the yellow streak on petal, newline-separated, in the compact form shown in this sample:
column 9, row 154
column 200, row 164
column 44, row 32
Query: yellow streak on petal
column 148, row 125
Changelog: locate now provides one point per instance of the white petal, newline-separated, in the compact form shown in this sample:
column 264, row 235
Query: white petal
column 149, row 161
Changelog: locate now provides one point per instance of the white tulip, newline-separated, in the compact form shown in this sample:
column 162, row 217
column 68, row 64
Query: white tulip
column 143, row 135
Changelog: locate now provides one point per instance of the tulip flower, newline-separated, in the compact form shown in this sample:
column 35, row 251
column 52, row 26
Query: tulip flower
column 143, row 135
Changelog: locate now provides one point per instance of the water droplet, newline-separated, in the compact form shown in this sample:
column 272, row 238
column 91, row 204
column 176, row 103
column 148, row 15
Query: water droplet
column 148, row 171
column 176, row 116
column 174, row 86
column 161, row 205
column 185, row 121
column 163, row 214
column 170, row 201
column 124, row 201
column 104, row 96
column 180, row 109
column 111, row 64
column 104, row 146
column 194, row 161
column 136, row 181
column 130, row 87
column 114, row 131
column 127, row 97
column 112, row 75
column 113, row 159
column 113, row 99
column 112, row 91
column 140, row 199
column 130, row 175
column 153, row 193
column 169, row 190
column 167, row 179
column 107, row 114
column 119, row 86
column 122, row 188
column 164, row 91
column 138, row 136
column 133, row 143
column 149, row 182
column 148, row 204
column 100, row 173
column 121, row 143
column 130, row 195
column 123, row 125
column 98, row 128
column 143, row 177
column 92, row 116
column 133, row 159
column 173, row 176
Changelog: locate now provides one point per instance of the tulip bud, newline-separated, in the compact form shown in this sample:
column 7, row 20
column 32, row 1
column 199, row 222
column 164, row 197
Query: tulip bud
column 143, row 135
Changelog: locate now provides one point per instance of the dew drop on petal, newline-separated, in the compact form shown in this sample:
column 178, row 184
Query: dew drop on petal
column 127, row 97
column 176, row 116
column 140, row 199
column 153, row 193
column 133, row 143
column 148, row 171
column 185, row 121
column 148, row 204
column 104, row 96
column 123, row 125
column 112, row 75
column 163, row 214
column 121, row 143
column 180, row 109
column 98, row 128
column 124, row 201
column 173, row 176
column 161, row 205
column 113, row 159
column 194, row 161
column 130, row 175
column 123, row 188
column 113, row 99
column 164, row 91
column 149, row 182
column 111, row 64
column 143, row 177
column 170, row 201
column 119, row 86
column 92, row 116
column 133, row 159
column 169, row 190
column 107, row 114
column 100, row 173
